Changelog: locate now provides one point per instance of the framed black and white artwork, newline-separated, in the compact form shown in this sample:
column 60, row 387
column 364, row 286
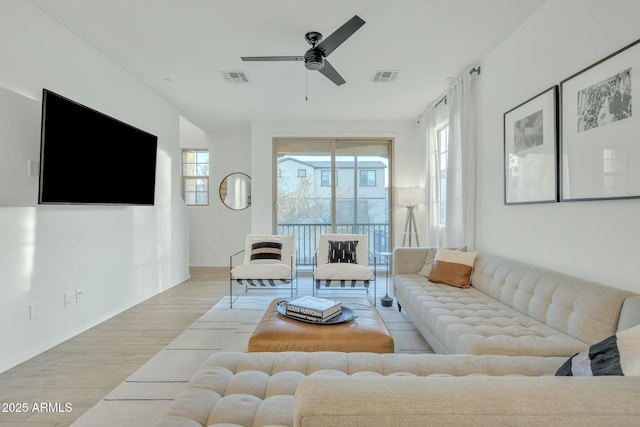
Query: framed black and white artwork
column 530, row 150
column 600, row 139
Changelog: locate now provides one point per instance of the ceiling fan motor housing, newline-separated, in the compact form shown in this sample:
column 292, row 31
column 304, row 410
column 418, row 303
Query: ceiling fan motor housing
column 313, row 60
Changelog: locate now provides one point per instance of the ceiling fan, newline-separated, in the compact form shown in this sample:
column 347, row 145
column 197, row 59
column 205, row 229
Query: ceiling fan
column 315, row 58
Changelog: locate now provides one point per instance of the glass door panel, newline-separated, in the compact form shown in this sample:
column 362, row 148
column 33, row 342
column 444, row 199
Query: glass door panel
column 332, row 186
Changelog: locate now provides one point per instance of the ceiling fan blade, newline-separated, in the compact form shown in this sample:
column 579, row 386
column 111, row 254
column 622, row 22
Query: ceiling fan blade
column 272, row 58
column 338, row 37
column 329, row 72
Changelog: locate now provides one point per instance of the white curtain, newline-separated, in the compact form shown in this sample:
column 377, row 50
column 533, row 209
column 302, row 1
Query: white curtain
column 458, row 228
column 429, row 123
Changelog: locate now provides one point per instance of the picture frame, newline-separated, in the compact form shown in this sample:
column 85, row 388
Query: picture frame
column 530, row 150
column 599, row 145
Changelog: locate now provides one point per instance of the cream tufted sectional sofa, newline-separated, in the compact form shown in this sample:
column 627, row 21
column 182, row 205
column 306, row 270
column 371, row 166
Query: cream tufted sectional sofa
column 336, row 389
column 511, row 308
column 534, row 317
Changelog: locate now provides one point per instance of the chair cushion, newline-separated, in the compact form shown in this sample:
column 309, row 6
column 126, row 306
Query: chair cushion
column 342, row 271
column 362, row 248
column 261, row 271
column 342, row 251
column 266, row 252
column 288, row 246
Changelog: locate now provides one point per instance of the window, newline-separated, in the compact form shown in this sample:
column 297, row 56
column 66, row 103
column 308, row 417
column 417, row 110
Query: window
column 443, row 159
column 195, row 177
column 302, row 173
column 367, row 178
column 325, row 178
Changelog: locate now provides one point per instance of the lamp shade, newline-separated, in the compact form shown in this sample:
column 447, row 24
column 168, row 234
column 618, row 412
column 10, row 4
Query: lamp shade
column 411, row 195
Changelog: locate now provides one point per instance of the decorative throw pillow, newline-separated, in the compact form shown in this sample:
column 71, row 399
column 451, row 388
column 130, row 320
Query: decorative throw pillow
column 617, row 355
column 428, row 263
column 266, row 252
column 343, row 251
column 452, row 268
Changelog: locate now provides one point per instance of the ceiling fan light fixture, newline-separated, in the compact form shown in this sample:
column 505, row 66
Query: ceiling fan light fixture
column 313, row 60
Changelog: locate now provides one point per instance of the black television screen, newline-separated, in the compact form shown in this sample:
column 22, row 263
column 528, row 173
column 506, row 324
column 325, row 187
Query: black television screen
column 87, row 157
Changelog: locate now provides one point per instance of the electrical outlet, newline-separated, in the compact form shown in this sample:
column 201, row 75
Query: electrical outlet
column 68, row 299
column 34, row 311
column 79, row 295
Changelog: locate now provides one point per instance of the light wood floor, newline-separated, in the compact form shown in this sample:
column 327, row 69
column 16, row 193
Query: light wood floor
column 87, row 367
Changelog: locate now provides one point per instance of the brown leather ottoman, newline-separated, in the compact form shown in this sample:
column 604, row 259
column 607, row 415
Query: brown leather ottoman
column 367, row 332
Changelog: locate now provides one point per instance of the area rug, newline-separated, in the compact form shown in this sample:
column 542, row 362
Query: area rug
column 143, row 397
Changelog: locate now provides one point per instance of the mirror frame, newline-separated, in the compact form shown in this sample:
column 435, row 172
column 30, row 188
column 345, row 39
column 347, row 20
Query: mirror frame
column 223, row 188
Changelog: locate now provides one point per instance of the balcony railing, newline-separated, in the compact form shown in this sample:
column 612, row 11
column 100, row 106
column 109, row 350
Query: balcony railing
column 308, row 236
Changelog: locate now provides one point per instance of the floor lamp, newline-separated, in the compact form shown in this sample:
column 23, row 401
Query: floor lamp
column 411, row 197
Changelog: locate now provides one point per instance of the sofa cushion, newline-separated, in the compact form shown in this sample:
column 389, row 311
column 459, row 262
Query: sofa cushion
column 455, row 320
column 452, row 267
column 617, row 355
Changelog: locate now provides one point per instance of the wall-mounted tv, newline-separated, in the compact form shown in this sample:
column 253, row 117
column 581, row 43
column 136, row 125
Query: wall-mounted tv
column 87, row 157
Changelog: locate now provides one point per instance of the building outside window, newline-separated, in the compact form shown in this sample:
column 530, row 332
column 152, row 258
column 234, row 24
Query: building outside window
column 302, row 173
column 325, row 178
column 195, row 177
column 367, row 178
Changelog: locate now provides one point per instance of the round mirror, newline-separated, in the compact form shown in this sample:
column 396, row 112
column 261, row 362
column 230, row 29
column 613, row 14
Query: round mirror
column 235, row 191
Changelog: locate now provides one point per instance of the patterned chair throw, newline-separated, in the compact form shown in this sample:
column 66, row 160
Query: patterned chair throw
column 342, row 261
column 266, row 262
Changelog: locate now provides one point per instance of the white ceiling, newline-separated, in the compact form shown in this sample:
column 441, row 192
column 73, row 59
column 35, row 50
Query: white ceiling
column 180, row 47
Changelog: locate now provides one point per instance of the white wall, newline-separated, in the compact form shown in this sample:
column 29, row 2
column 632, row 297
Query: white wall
column 408, row 158
column 597, row 240
column 120, row 256
column 215, row 231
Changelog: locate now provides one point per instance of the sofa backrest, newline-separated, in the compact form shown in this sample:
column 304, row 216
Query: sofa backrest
column 585, row 310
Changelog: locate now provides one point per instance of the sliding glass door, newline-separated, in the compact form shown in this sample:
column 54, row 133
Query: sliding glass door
column 333, row 186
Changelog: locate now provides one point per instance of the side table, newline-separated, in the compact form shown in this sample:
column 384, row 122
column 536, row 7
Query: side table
column 386, row 300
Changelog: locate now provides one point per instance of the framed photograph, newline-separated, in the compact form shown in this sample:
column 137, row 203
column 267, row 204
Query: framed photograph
column 600, row 144
column 530, row 150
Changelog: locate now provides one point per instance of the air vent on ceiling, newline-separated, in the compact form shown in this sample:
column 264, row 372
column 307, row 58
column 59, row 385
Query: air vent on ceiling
column 235, row 77
column 385, row 76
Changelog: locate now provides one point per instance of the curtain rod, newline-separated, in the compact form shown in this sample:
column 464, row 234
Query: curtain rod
column 444, row 98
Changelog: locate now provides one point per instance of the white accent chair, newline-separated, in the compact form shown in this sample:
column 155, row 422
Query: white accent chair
column 328, row 275
column 263, row 274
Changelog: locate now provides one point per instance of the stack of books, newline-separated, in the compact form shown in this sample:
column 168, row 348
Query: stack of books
column 314, row 309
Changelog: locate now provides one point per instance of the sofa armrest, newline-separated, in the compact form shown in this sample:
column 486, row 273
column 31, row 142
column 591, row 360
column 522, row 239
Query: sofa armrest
column 466, row 401
column 409, row 260
column 630, row 313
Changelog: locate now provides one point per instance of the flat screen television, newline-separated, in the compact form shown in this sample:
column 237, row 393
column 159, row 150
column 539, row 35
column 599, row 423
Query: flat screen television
column 87, row 157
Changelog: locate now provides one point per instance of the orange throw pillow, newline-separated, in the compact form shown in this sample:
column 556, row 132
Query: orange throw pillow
column 453, row 268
